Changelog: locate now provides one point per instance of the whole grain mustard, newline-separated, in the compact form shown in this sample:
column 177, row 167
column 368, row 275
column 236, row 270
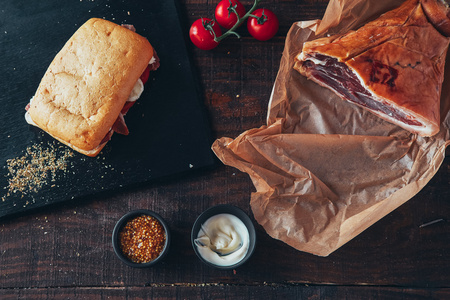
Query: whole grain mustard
column 142, row 239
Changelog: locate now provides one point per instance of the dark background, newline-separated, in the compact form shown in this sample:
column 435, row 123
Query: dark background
column 64, row 251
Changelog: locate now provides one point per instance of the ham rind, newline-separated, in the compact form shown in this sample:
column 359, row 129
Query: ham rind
column 392, row 66
column 438, row 12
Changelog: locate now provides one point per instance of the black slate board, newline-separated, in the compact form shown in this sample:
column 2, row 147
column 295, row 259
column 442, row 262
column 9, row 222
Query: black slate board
column 169, row 132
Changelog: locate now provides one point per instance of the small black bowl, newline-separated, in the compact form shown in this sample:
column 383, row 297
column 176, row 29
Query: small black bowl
column 121, row 223
column 225, row 209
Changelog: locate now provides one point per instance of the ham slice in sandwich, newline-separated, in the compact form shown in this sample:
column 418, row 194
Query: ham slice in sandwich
column 90, row 85
column 392, row 66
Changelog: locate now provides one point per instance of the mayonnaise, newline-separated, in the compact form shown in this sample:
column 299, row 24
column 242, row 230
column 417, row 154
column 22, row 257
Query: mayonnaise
column 137, row 91
column 28, row 117
column 29, row 120
column 223, row 240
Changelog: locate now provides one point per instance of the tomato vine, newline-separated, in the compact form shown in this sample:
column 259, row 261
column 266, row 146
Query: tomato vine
column 262, row 24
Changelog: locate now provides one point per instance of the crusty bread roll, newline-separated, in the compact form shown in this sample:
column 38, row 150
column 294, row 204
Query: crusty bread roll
column 87, row 84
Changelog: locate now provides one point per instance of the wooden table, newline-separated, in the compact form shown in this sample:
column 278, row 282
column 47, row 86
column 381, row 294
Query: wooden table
column 64, row 250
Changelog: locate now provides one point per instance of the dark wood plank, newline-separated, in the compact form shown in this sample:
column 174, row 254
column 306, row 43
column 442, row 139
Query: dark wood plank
column 70, row 245
column 287, row 11
column 224, row 291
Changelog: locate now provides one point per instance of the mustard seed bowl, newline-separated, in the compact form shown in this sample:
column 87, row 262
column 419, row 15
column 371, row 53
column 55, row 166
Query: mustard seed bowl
column 141, row 238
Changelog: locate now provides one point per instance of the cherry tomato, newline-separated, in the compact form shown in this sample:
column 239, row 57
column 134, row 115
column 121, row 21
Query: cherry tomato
column 265, row 26
column 225, row 15
column 202, row 33
column 145, row 75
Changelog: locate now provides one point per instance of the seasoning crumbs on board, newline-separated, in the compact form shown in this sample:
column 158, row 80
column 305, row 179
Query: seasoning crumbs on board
column 36, row 168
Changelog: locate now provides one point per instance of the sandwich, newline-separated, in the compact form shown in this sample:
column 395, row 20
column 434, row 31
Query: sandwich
column 91, row 84
column 392, row 66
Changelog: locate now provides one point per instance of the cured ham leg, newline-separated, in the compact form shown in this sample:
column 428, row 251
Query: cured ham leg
column 392, row 66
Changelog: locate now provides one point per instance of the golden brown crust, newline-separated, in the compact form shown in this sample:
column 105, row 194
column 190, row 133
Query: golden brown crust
column 438, row 13
column 92, row 153
column 88, row 83
column 401, row 41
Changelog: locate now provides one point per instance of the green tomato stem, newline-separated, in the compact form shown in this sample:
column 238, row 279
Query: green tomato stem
column 210, row 28
column 238, row 23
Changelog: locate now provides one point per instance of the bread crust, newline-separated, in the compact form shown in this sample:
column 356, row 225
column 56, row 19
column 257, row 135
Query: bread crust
column 88, row 82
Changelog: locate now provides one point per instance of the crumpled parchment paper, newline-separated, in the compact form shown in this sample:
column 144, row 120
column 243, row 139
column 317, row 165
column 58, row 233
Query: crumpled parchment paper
column 324, row 169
